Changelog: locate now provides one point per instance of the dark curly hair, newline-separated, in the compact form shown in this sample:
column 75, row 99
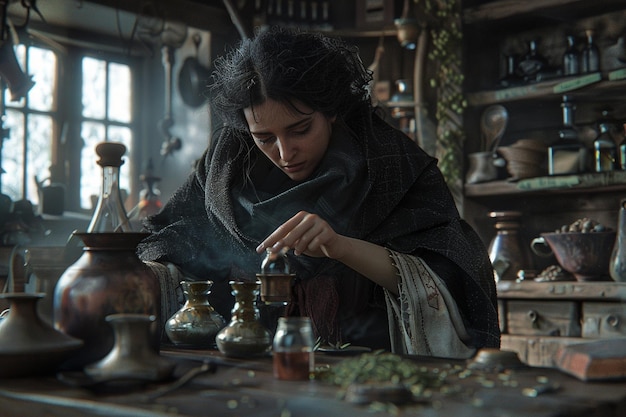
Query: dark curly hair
column 288, row 65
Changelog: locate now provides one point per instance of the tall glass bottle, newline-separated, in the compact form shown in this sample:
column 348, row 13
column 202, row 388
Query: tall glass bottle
column 590, row 54
column 567, row 155
column 110, row 214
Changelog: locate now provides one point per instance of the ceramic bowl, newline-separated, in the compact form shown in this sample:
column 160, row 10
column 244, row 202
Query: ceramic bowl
column 585, row 255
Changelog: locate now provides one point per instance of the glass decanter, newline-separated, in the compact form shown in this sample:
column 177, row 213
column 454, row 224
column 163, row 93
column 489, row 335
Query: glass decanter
column 110, row 214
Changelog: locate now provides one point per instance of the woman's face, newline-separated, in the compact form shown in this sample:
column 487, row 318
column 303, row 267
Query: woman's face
column 294, row 140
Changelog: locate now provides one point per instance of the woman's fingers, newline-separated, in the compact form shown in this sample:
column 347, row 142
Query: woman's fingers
column 304, row 232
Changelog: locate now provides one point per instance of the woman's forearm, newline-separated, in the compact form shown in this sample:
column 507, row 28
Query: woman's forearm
column 372, row 261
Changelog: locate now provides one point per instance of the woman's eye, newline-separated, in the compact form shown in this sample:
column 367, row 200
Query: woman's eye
column 302, row 131
column 265, row 141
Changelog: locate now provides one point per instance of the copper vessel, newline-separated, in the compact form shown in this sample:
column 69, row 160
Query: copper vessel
column 108, row 278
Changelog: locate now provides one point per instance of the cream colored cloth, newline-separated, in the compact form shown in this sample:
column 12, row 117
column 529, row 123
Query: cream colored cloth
column 424, row 318
column 172, row 297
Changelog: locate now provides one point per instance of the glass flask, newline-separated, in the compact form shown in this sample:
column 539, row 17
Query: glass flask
column 293, row 349
column 110, row 214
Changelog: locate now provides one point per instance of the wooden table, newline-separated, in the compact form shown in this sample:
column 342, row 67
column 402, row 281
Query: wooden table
column 247, row 388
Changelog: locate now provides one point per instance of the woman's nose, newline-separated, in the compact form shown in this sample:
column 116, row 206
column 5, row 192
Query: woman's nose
column 286, row 150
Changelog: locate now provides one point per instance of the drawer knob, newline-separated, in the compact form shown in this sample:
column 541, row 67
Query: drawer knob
column 533, row 316
column 612, row 320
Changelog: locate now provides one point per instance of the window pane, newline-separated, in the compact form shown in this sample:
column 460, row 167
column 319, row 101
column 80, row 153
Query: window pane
column 39, row 156
column 20, row 54
column 119, row 93
column 123, row 135
column 13, row 155
column 91, row 172
column 94, row 88
column 42, row 65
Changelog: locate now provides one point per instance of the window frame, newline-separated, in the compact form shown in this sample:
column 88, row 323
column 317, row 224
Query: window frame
column 66, row 113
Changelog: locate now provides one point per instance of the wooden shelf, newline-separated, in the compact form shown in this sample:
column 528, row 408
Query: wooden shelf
column 592, row 182
column 556, row 9
column 595, row 83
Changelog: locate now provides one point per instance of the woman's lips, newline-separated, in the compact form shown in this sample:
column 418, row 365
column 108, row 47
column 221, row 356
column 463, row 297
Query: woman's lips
column 294, row 167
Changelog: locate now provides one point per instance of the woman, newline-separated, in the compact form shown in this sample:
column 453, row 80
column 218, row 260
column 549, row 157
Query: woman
column 303, row 161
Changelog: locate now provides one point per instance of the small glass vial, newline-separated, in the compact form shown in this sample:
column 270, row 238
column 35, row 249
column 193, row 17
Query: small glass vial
column 110, row 214
column 571, row 57
column 590, row 54
column 293, row 344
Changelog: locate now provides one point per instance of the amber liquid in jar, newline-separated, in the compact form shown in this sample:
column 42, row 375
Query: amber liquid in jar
column 293, row 349
column 293, row 366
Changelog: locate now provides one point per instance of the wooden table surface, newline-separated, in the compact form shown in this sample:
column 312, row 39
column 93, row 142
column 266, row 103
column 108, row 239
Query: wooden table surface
column 247, row 388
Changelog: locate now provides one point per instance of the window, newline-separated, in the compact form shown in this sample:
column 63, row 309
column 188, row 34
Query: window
column 34, row 123
column 106, row 103
column 27, row 149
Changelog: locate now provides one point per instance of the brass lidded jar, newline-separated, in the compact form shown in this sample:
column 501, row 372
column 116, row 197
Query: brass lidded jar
column 244, row 336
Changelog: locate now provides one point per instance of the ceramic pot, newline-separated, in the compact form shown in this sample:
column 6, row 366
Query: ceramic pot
column 481, row 168
column 132, row 358
column 585, row 255
column 507, row 253
column 28, row 345
column 197, row 323
column 108, row 278
column 244, row 336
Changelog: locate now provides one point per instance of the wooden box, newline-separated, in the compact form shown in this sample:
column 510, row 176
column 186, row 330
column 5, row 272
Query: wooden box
column 543, row 318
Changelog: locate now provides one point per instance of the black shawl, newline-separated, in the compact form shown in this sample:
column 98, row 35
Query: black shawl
column 374, row 183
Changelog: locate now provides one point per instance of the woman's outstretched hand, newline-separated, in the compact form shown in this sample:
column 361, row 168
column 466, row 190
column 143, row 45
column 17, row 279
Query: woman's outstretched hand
column 307, row 234
column 311, row 235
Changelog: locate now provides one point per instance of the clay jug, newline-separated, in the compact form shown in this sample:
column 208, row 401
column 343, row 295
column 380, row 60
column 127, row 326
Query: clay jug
column 108, row 278
column 196, row 324
column 507, row 253
column 132, row 357
column 244, row 336
column 617, row 264
column 29, row 345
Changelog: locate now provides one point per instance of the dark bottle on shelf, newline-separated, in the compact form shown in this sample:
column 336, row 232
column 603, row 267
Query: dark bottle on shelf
column 605, row 149
column 571, row 57
column 532, row 63
column 590, row 54
column 622, row 150
column 567, row 155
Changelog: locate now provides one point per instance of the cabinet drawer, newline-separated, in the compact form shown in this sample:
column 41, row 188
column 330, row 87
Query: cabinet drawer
column 543, row 318
column 604, row 320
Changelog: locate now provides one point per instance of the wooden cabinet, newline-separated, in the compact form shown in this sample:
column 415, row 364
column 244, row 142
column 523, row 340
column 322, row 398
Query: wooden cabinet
column 538, row 318
column 495, row 29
